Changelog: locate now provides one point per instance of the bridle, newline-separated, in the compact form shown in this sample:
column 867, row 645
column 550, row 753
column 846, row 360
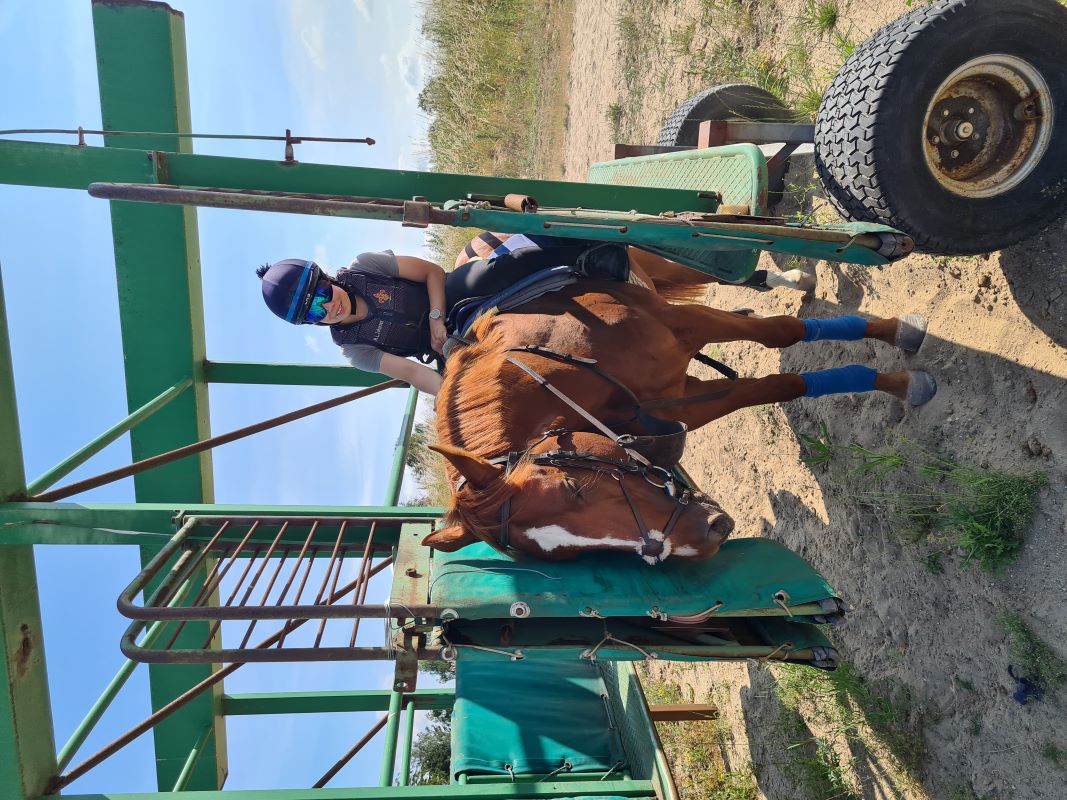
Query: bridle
column 617, row 469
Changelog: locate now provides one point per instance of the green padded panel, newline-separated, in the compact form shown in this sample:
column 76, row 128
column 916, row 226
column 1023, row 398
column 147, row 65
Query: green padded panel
column 480, row 583
column 737, row 171
column 533, row 716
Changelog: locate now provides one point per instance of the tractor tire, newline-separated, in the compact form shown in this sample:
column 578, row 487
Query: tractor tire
column 950, row 124
column 729, row 101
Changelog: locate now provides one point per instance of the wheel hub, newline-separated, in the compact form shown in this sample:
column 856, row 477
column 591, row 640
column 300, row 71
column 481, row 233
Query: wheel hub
column 987, row 126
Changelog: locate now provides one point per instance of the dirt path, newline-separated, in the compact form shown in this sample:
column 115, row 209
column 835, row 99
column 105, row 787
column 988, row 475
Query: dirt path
column 926, row 642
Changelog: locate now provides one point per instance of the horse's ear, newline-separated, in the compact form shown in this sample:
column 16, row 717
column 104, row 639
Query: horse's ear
column 478, row 472
column 449, row 539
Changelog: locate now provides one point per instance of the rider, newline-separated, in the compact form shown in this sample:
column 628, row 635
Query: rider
column 384, row 308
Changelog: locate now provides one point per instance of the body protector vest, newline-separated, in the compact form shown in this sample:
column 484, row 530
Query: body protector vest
column 397, row 318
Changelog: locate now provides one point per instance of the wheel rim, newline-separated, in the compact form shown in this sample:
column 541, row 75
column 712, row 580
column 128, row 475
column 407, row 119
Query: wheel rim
column 987, row 126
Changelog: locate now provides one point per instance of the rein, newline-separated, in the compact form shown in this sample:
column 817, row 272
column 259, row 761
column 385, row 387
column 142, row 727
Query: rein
column 651, row 547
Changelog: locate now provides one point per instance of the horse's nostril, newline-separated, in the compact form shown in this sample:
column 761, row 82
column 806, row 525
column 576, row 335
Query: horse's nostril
column 721, row 526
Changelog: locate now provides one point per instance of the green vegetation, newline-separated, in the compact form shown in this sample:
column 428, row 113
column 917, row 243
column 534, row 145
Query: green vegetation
column 427, row 466
column 849, row 713
column 614, row 116
column 982, row 511
column 1055, row 755
column 431, row 752
column 1039, row 662
column 695, row 751
column 495, row 93
column 820, row 16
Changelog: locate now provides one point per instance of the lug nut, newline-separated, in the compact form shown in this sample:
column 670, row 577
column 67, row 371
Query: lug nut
column 936, row 140
column 955, row 153
column 970, row 110
column 944, row 113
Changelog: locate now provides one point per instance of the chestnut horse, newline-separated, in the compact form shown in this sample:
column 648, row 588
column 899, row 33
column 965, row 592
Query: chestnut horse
column 488, row 405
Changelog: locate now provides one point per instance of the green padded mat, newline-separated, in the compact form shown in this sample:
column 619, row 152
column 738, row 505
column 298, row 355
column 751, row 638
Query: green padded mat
column 737, row 171
column 532, row 716
column 745, row 576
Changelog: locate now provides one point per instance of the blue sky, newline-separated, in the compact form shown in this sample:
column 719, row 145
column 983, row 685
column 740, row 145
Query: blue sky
column 349, row 68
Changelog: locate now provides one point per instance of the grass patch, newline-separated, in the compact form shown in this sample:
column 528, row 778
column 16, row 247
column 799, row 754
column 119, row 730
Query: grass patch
column 817, row 449
column 982, row 511
column 695, row 752
column 850, row 711
column 614, row 117
column 1055, row 755
column 1039, row 662
column 820, row 16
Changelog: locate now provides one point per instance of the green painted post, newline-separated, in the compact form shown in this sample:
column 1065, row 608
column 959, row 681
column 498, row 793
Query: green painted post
column 400, row 449
column 289, row 374
column 405, row 745
column 78, row 458
column 144, row 86
column 27, row 745
column 391, row 731
column 236, row 705
column 115, row 519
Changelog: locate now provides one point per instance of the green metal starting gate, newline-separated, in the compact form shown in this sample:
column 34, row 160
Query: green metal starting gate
column 524, row 640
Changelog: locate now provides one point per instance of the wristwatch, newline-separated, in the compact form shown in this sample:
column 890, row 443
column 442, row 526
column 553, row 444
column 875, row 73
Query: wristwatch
column 435, row 313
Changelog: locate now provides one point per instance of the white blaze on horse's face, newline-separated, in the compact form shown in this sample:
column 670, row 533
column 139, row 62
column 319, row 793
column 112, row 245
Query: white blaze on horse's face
column 552, row 537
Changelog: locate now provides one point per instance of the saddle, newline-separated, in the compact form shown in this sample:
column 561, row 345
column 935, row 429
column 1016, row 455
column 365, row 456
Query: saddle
column 464, row 313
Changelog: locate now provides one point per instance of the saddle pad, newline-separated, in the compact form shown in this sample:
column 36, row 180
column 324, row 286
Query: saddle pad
column 745, row 575
column 533, row 716
column 737, row 171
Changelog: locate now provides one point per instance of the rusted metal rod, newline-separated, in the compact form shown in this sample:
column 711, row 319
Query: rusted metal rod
column 214, row 441
column 178, row 702
column 350, row 754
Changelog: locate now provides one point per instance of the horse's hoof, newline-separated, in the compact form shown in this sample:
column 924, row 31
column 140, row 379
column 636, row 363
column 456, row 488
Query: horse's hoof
column 796, row 279
column 921, row 387
column 911, row 332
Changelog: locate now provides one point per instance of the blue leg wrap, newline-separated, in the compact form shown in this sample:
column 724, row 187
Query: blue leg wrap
column 841, row 380
column 836, row 328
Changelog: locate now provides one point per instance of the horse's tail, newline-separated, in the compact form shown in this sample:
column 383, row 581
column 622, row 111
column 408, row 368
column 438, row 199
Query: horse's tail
column 675, row 283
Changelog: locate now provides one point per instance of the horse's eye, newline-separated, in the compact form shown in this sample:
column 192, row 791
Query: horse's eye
column 573, row 485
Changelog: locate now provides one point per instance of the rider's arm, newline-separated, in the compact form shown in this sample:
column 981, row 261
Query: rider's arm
column 421, row 377
column 422, row 271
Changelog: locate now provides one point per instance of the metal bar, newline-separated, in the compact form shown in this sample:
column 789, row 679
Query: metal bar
column 159, row 518
column 174, row 705
column 79, row 457
column 682, row 712
column 266, row 594
column 206, row 444
column 327, row 576
column 400, row 449
column 237, row 705
column 288, row 374
column 405, row 745
column 549, row 790
column 632, row 150
column 360, row 595
column 328, row 776
column 190, row 762
column 179, row 135
column 389, row 748
column 66, row 166
column 85, row 727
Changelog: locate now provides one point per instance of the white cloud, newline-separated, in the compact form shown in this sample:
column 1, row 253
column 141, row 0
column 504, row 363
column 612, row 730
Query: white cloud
column 312, row 342
column 362, row 8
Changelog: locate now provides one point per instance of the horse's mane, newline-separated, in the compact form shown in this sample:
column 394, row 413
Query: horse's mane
column 470, row 405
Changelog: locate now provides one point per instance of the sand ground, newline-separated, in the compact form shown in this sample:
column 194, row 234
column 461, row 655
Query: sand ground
column 998, row 326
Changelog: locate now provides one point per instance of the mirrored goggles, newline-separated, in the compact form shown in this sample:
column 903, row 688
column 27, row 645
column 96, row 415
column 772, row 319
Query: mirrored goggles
column 316, row 312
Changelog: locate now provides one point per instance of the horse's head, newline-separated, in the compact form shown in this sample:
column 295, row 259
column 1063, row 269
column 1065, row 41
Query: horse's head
column 573, row 493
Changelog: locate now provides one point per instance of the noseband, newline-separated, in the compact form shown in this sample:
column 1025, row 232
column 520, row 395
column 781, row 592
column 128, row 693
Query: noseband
column 618, row 470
